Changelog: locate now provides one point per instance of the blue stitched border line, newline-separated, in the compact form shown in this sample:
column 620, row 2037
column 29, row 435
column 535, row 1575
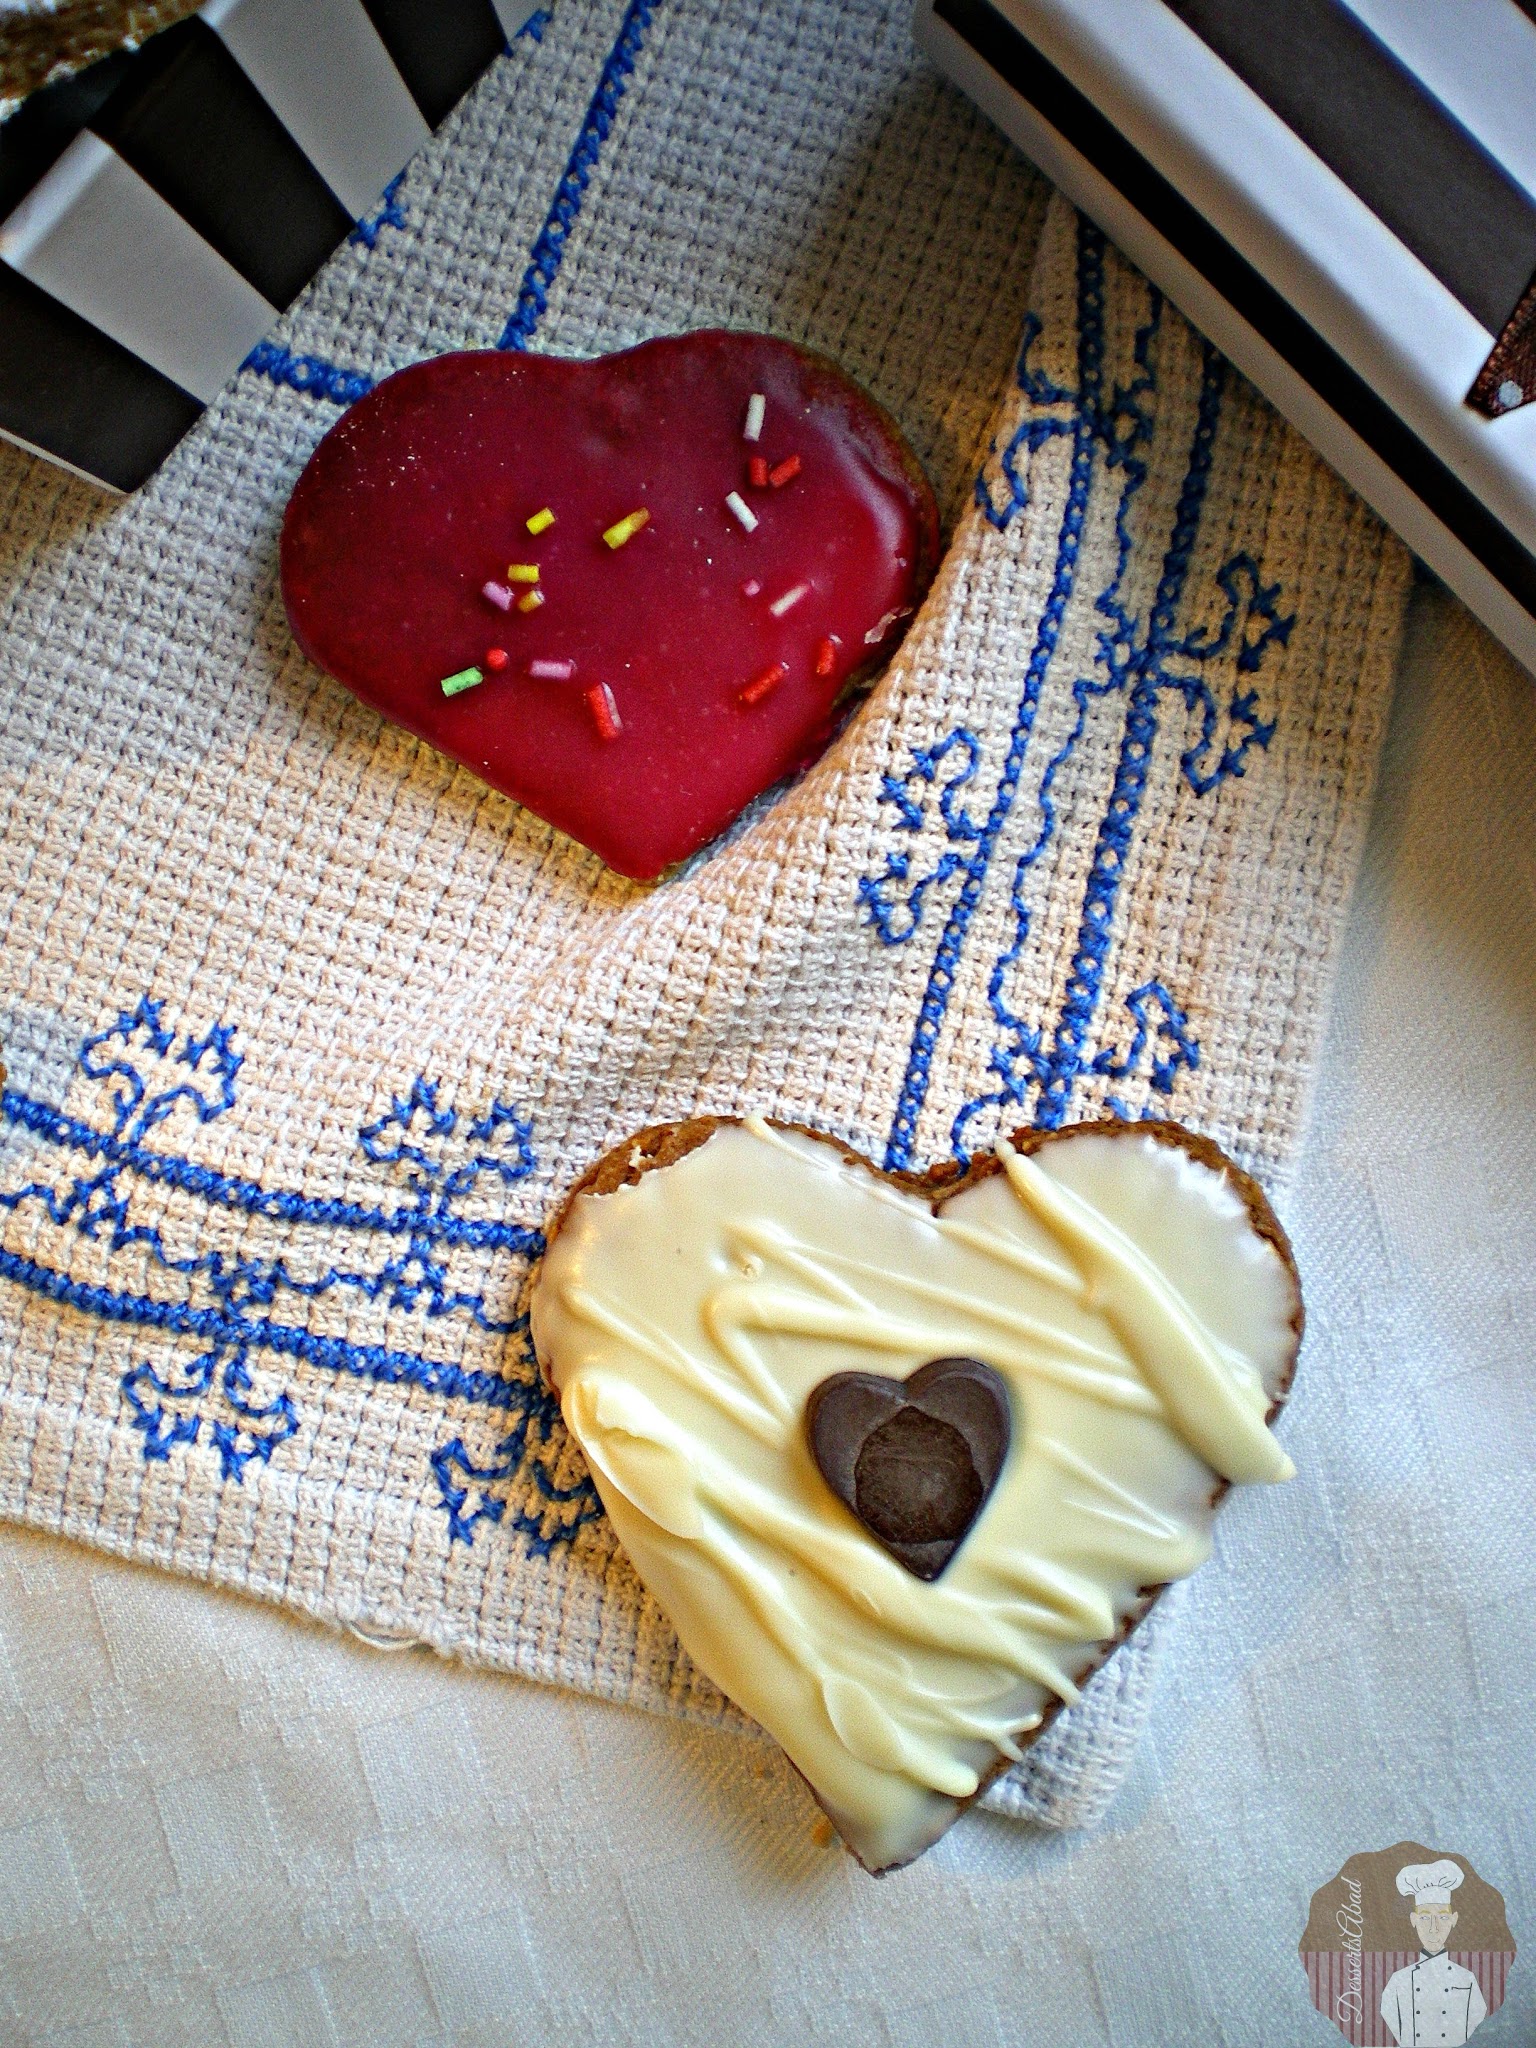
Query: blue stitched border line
column 251, row 1199
column 946, row 962
column 1118, row 823
column 549, row 250
column 178, row 1319
column 312, row 375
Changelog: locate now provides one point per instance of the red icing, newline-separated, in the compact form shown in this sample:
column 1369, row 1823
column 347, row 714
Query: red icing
column 420, row 496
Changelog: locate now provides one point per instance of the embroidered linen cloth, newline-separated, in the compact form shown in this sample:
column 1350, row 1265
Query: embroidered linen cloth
column 308, row 1031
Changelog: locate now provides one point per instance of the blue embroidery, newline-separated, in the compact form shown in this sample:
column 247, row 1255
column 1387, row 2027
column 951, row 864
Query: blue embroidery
column 391, row 214
column 1139, row 660
column 559, row 1509
column 1052, row 420
column 973, row 867
column 549, row 250
column 1251, row 602
column 1168, row 1029
column 317, row 378
column 1145, row 670
column 896, row 916
column 312, row 375
column 101, row 1164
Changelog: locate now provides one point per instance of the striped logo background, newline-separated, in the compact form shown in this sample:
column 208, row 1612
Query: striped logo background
column 158, row 211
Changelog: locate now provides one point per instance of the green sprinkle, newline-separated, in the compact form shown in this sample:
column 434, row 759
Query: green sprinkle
column 466, row 679
column 541, row 520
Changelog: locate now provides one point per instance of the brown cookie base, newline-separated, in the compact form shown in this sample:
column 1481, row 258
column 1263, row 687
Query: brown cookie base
column 662, row 1145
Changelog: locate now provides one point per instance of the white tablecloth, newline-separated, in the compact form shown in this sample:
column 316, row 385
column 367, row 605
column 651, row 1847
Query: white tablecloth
column 218, row 1825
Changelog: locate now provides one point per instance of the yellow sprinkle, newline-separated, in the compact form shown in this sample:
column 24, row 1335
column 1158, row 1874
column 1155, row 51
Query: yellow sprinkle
column 540, row 520
column 530, row 600
column 522, row 572
column 626, row 528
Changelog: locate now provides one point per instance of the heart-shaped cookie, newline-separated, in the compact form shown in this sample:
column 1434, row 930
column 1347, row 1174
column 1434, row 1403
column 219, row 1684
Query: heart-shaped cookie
column 914, row 1459
column 633, row 593
column 1130, row 1289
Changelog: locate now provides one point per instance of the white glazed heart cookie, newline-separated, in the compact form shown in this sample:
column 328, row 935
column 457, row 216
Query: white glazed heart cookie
column 903, row 1457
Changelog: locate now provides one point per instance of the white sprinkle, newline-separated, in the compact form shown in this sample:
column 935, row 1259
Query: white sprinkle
column 736, row 503
column 789, row 600
column 878, row 632
column 498, row 594
column 757, row 405
column 552, row 671
column 1510, row 395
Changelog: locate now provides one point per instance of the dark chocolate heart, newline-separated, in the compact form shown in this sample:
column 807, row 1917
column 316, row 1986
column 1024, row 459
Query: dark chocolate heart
column 914, row 1459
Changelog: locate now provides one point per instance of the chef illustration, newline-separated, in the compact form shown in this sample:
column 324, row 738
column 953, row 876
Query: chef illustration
column 1433, row 2000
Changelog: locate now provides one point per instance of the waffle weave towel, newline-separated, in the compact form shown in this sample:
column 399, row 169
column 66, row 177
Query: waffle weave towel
column 308, row 1031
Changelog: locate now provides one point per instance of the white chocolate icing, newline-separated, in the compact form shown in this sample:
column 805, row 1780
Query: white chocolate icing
column 1140, row 1323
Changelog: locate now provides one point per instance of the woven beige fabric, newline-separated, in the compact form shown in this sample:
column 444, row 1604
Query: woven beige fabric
column 308, row 1031
column 45, row 40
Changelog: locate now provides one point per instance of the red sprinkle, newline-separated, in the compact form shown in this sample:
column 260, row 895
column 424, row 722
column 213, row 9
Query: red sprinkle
column 496, row 658
column 605, row 713
column 757, row 472
column 766, row 680
column 826, row 657
column 781, row 472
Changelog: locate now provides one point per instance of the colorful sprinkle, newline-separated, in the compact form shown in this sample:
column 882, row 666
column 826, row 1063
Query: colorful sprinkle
column 466, row 679
column 781, row 472
column 625, row 529
column 498, row 594
column 522, row 572
column 826, row 657
column 789, row 600
column 752, row 586
column 757, row 407
column 530, row 600
column 541, row 521
column 736, row 503
column 765, row 680
column 605, row 713
column 496, row 659
column 757, row 472
column 547, row 671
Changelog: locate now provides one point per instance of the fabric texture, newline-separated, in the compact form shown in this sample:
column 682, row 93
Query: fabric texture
column 42, row 41
column 308, row 1031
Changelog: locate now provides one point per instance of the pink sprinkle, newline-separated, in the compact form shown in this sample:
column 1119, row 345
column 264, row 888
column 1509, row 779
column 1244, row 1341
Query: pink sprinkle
column 751, row 587
column 605, row 713
column 498, row 594
column 789, row 600
column 552, row 671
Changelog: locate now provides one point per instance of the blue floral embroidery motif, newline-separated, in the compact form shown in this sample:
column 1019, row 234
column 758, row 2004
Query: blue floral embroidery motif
column 391, row 214
column 562, row 1500
column 106, row 1163
column 1162, row 1044
column 1145, row 654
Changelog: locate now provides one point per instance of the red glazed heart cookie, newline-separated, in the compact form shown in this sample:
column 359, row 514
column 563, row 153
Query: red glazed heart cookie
column 903, row 1456
column 632, row 593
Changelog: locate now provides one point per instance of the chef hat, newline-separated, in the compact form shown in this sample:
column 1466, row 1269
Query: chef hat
column 1430, row 1883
